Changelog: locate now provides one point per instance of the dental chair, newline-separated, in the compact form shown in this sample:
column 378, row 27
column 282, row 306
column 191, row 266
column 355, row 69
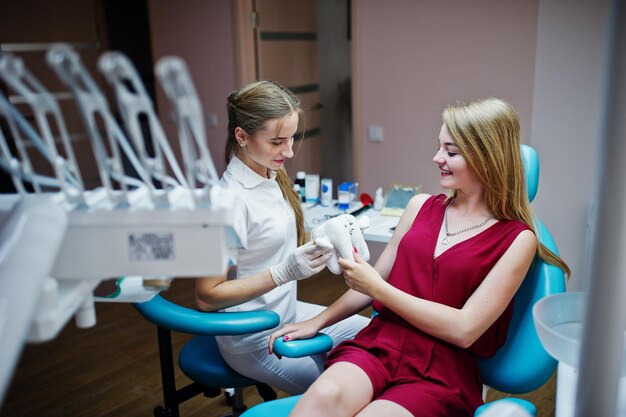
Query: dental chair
column 521, row 365
column 200, row 359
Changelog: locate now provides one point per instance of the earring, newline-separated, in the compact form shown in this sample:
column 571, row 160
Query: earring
column 242, row 144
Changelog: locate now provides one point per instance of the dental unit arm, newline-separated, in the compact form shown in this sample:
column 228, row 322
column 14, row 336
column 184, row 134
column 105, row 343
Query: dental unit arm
column 57, row 247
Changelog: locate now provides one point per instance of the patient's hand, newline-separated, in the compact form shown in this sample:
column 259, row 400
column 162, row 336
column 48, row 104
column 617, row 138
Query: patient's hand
column 292, row 331
column 360, row 276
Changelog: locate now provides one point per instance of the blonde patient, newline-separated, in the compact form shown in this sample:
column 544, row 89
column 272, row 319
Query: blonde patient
column 443, row 286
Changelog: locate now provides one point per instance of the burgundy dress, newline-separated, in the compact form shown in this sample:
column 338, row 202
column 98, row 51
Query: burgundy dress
column 426, row 375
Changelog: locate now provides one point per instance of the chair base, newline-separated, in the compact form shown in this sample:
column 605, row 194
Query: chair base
column 216, row 374
column 237, row 406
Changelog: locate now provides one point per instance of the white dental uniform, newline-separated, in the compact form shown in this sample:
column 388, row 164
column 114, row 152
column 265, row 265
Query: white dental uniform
column 271, row 236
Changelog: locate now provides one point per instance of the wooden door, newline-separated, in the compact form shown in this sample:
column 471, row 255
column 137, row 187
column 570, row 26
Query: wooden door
column 278, row 41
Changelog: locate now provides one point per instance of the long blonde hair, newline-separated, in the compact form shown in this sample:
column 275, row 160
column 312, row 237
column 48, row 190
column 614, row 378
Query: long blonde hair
column 250, row 108
column 487, row 134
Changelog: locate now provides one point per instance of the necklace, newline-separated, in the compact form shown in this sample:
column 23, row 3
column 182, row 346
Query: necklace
column 445, row 239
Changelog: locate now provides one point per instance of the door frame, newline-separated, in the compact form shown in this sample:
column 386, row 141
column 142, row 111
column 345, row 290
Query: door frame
column 246, row 45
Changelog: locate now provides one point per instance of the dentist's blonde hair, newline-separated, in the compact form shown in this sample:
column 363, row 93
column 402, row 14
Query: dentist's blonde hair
column 249, row 108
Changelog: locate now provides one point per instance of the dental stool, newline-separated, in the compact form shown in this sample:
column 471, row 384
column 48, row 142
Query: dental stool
column 200, row 359
column 521, row 365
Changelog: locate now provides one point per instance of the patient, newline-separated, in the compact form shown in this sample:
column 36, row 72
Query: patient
column 443, row 285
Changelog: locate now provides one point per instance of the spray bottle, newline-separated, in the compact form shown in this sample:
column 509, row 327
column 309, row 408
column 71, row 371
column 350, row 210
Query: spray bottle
column 378, row 199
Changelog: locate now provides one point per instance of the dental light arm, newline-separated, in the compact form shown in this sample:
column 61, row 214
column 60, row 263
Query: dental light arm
column 179, row 88
column 45, row 108
column 134, row 104
column 91, row 104
column 57, row 247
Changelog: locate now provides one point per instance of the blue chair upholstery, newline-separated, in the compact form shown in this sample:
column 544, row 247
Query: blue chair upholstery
column 277, row 408
column 521, row 365
column 532, row 365
column 200, row 359
column 303, row 347
column 530, row 160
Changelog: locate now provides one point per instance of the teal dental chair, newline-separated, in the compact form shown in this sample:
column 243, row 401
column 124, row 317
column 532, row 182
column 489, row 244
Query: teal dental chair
column 521, row 365
column 200, row 359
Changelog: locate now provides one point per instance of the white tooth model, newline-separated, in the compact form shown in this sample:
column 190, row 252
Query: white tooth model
column 343, row 235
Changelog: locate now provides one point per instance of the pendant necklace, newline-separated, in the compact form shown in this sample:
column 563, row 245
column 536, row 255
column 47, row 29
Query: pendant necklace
column 445, row 239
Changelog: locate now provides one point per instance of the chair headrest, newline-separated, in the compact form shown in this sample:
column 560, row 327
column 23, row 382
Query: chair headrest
column 530, row 160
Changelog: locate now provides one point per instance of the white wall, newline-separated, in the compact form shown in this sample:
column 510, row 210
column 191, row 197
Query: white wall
column 566, row 122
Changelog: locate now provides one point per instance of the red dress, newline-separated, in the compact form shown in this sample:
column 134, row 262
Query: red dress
column 426, row 375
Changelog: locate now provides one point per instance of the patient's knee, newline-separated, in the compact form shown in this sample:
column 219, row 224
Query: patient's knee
column 325, row 392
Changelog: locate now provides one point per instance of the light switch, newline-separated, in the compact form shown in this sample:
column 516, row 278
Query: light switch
column 212, row 120
column 375, row 133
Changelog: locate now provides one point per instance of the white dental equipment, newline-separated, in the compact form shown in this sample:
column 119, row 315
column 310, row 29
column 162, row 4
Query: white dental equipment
column 43, row 104
column 56, row 248
column 177, row 84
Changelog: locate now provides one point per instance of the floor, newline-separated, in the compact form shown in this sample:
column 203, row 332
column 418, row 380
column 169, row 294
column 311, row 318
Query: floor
column 112, row 369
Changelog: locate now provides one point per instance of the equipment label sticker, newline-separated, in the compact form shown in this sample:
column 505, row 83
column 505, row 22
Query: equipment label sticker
column 151, row 246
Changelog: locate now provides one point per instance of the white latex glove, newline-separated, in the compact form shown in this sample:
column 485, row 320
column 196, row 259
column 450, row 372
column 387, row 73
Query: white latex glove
column 306, row 260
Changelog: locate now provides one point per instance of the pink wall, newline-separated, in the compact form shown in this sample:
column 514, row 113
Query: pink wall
column 201, row 33
column 411, row 58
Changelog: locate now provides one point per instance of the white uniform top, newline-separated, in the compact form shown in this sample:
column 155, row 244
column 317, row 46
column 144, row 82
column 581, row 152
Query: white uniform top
column 271, row 237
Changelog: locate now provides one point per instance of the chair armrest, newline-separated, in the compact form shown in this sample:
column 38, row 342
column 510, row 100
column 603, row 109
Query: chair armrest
column 181, row 319
column 303, row 347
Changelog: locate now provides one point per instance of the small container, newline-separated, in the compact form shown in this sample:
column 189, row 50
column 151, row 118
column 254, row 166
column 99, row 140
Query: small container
column 326, row 192
column 300, row 180
column 346, row 192
column 312, row 188
column 296, row 188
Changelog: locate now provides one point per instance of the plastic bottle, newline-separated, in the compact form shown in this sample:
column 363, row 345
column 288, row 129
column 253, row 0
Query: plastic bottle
column 326, row 195
column 297, row 189
column 378, row 199
column 300, row 180
column 312, row 188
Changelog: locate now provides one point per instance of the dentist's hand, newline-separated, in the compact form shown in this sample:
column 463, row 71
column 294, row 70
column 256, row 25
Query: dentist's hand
column 305, row 261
